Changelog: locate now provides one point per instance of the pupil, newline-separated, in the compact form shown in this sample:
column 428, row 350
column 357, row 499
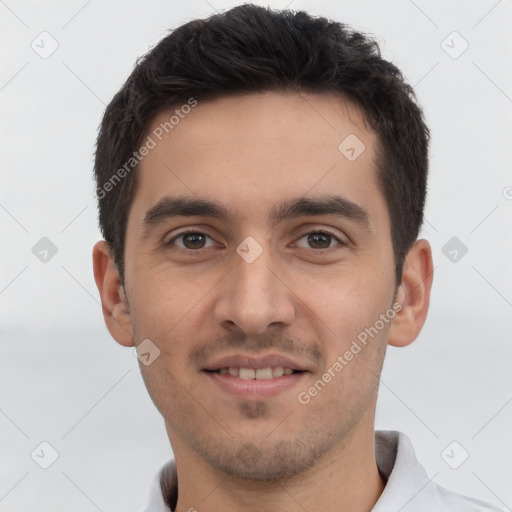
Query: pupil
column 193, row 236
column 319, row 236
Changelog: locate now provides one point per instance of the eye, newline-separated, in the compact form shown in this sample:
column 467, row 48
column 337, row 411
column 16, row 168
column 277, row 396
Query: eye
column 194, row 240
column 321, row 239
column 191, row 239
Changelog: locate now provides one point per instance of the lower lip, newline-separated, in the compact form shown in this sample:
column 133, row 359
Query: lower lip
column 256, row 389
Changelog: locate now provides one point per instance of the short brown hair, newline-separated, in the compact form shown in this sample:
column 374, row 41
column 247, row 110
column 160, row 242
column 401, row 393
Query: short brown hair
column 251, row 49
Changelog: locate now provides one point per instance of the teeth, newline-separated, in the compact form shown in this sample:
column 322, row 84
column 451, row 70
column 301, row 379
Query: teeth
column 247, row 373
column 277, row 372
column 259, row 373
column 264, row 373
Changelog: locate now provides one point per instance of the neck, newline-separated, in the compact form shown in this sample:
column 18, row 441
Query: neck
column 345, row 480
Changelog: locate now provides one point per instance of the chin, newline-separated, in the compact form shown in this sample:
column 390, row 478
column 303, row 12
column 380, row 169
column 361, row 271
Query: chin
column 270, row 462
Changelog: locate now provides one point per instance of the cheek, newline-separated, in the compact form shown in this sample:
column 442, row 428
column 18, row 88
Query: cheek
column 168, row 311
column 164, row 299
column 348, row 312
column 347, row 301
column 171, row 396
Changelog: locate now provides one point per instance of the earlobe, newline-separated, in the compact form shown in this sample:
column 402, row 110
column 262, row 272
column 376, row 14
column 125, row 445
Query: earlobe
column 413, row 294
column 116, row 310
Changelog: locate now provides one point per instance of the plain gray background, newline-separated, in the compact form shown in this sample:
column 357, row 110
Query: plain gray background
column 63, row 379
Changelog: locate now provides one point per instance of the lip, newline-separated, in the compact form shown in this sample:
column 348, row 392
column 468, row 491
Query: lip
column 255, row 389
column 247, row 361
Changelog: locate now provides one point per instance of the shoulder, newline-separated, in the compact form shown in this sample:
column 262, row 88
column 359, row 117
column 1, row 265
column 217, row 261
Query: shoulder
column 408, row 487
column 451, row 500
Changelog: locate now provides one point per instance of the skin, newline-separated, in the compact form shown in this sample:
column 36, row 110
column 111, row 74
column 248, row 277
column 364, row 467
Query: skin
column 249, row 152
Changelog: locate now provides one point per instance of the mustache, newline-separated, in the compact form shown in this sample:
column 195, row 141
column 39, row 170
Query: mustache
column 283, row 344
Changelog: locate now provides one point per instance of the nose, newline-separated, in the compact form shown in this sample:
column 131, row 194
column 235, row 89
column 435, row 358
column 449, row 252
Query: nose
column 255, row 295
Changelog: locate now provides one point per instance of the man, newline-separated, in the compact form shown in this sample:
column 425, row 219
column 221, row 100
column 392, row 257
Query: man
column 261, row 183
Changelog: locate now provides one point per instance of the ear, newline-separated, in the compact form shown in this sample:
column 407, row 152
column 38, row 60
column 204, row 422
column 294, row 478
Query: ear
column 413, row 294
column 116, row 310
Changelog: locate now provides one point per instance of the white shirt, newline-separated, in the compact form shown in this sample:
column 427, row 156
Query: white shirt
column 408, row 488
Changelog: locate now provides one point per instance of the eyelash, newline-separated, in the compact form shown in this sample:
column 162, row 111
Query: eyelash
column 322, row 231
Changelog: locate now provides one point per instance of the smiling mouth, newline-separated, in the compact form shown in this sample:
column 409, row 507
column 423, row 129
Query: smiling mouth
column 270, row 372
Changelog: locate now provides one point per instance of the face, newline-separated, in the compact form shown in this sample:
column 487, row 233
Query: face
column 294, row 273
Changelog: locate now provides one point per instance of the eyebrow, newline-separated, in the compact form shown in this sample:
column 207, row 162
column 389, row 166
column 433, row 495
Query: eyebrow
column 171, row 207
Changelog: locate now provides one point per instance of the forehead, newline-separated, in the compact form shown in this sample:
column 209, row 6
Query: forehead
column 252, row 151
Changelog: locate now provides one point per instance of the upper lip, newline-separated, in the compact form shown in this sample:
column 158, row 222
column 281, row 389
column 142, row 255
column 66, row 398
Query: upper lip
column 247, row 361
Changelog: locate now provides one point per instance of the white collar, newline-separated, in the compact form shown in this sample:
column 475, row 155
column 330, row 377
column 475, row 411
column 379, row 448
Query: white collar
column 408, row 488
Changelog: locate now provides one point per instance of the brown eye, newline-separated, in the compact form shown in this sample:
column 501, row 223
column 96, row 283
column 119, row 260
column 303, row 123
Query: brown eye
column 320, row 240
column 191, row 240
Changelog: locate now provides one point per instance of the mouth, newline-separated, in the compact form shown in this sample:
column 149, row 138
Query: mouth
column 270, row 372
column 256, row 377
column 255, row 383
